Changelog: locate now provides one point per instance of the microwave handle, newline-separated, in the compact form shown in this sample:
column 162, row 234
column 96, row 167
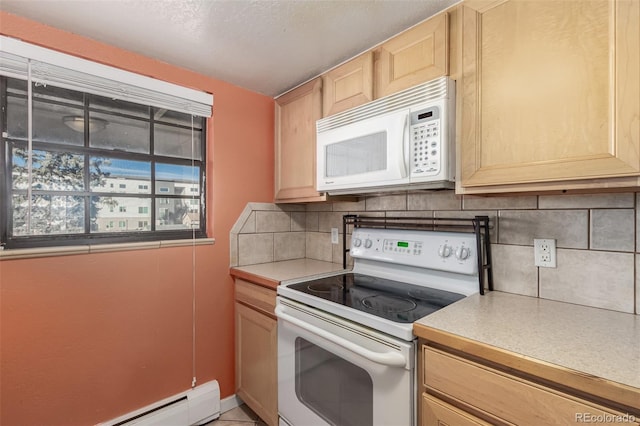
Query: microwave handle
column 406, row 149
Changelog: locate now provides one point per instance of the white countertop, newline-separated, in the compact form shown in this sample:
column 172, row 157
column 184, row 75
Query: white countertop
column 598, row 342
column 275, row 272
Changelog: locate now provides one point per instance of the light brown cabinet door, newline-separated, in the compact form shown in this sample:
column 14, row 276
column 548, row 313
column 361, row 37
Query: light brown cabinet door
column 417, row 55
column 550, row 92
column 256, row 362
column 295, row 150
column 349, row 85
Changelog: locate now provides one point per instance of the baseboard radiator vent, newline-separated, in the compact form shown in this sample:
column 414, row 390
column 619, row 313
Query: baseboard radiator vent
column 197, row 406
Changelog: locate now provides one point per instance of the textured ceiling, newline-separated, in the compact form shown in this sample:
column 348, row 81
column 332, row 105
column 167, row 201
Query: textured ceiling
column 267, row 46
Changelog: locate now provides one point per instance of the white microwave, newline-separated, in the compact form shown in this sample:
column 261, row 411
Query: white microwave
column 402, row 141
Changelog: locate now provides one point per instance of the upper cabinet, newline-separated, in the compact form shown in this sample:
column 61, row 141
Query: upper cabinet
column 412, row 57
column 417, row 55
column 550, row 95
column 295, row 139
column 349, row 85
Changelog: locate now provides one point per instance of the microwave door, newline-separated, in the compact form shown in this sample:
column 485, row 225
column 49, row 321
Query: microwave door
column 364, row 154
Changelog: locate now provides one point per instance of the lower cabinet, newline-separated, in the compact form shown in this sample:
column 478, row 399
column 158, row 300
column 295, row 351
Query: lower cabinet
column 256, row 349
column 456, row 390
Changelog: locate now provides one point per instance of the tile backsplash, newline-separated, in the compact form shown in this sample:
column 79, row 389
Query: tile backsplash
column 598, row 254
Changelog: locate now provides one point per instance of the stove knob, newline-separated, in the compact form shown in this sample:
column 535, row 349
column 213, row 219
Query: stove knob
column 368, row 243
column 444, row 251
column 357, row 242
column 462, row 253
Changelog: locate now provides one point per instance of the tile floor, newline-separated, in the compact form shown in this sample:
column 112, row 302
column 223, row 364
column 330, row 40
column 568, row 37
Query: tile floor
column 239, row 416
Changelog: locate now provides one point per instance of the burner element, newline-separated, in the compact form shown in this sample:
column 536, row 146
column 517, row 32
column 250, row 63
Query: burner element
column 322, row 287
column 388, row 304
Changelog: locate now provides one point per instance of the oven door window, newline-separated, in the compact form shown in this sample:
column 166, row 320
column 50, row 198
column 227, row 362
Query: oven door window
column 337, row 390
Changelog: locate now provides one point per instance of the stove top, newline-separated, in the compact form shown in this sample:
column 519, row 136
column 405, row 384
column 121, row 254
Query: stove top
column 398, row 277
column 392, row 300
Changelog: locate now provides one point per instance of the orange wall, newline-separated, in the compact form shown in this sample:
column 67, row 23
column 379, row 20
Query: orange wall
column 86, row 338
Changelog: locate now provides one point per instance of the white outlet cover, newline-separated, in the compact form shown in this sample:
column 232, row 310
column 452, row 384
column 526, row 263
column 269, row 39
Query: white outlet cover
column 544, row 250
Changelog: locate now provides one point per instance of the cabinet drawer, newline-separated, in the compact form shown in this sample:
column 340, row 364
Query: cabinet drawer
column 508, row 397
column 256, row 296
column 437, row 412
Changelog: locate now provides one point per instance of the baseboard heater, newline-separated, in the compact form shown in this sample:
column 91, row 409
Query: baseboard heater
column 196, row 406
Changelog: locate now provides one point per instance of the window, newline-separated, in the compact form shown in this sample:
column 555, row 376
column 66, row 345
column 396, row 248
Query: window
column 88, row 160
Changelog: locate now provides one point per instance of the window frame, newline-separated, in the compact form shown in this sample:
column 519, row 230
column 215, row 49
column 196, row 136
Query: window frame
column 105, row 237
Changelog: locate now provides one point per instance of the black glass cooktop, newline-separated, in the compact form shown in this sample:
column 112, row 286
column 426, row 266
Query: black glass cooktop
column 394, row 300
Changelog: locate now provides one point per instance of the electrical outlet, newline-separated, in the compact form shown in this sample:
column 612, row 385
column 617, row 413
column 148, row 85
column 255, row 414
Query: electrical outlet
column 334, row 236
column 545, row 253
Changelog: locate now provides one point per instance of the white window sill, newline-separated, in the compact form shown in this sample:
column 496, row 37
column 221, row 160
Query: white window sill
column 99, row 248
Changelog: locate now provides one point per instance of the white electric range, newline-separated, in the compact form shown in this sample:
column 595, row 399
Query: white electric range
column 346, row 349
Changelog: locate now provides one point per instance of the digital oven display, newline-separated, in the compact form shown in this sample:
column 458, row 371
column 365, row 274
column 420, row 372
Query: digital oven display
column 403, row 244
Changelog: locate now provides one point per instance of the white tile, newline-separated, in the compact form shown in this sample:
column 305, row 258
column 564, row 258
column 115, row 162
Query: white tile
column 255, row 248
column 436, row 200
column 570, row 228
column 240, row 222
column 328, row 220
column 268, row 221
column 638, row 222
column 233, row 249
column 469, row 214
column 593, row 278
column 637, row 284
column 318, row 246
column 623, row 200
column 298, row 221
column 612, row 229
column 249, row 226
column 476, row 202
column 513, row 269
column 288, row 245
column 319, row 207
column 387, row 202
column 337, row 250
column 349, row 206
column 312, row 221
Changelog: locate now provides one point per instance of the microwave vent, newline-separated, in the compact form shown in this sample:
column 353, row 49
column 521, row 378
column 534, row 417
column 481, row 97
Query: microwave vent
column 425, row 92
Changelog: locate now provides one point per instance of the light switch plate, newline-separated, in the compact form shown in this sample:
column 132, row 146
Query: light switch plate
column 334, row 236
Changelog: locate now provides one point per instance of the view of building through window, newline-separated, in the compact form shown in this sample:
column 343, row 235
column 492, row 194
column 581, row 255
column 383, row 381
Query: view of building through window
column 98, row 168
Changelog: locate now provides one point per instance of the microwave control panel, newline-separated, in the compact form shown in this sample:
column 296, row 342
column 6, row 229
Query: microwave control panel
column 426, row 135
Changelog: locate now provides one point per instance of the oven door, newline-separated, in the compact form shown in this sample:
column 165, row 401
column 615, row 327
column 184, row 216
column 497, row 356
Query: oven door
column 334, row 372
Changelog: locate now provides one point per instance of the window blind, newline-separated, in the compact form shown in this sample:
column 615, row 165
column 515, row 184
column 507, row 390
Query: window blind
column 70, row 72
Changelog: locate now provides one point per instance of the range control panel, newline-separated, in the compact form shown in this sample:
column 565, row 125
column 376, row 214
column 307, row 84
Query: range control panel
column 446, row 251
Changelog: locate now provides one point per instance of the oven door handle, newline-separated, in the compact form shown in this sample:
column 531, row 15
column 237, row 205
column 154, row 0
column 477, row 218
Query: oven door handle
column 391, row 359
